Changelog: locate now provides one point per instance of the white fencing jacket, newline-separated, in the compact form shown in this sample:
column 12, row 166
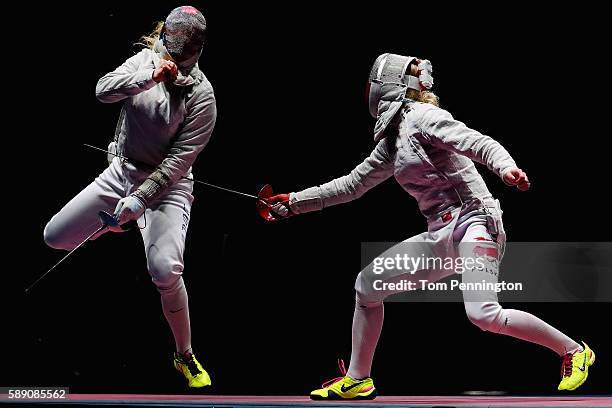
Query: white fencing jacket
column 164, row 126
column 431, row 158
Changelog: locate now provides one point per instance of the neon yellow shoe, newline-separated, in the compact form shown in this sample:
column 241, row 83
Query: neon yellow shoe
column 196, row 376
column 575, row 368
column 345, row 388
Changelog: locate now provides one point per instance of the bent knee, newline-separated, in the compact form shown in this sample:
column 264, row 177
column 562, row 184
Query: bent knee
column 165, row 272
column 165, row 269
column 485, row 316
column 169, row 285
column 55, row 239
column 363, row 302
column 365, row 293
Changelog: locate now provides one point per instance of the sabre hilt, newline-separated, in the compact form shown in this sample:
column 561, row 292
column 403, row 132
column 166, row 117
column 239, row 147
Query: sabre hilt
column 264, row 208
column 112, row 222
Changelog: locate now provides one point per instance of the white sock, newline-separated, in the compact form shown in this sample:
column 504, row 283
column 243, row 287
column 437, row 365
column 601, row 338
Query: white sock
column 367, row 325
column 174, row 302
column 528, row 327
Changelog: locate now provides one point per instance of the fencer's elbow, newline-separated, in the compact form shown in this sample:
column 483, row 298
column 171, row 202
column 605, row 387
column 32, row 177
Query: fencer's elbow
column 102, row 94
column 104, row 97
column 355, row 189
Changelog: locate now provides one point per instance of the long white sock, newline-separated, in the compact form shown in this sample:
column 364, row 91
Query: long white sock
column 367, row 325
column 174, row 302
column 528, row 327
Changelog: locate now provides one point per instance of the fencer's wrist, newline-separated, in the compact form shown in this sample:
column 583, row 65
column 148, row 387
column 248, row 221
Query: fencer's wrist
column 139, row 195
column 503, row 173
column 306, row 200
column 288, row 205
column 152, row 186
column 291, row 204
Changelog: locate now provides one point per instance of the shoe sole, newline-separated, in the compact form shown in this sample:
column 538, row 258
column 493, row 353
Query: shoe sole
column 197, row 387
column 332, row 396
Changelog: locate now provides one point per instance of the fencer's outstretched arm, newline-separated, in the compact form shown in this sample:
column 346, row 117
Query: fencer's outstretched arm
column 372, row 171
column 131, row 78
column 448, row 133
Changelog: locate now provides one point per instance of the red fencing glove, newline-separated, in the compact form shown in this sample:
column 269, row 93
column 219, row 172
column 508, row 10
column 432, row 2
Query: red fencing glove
column 279, row 206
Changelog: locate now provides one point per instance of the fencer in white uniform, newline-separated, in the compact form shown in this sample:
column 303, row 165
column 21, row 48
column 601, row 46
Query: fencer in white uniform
column 168, row 115
column 430, row 154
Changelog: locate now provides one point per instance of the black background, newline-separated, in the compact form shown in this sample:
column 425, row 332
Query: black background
column 271, row 304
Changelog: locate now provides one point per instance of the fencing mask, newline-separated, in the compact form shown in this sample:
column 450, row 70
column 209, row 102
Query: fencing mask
column 183, row 35
column 388, row 84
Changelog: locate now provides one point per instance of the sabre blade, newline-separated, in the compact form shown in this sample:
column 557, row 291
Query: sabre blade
column 64, row 258
column 117, row 155
column 223, row 188
column 229, row 190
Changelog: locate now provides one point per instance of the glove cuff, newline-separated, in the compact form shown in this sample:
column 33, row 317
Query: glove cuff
column 503, row 172
column 306, row 200
column 139, row 198
column 151, row 187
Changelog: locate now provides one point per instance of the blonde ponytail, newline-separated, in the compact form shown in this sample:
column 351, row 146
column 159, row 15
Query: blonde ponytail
column 149, row 40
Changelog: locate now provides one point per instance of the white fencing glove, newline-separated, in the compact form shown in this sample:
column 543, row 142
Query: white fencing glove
column 129, row 208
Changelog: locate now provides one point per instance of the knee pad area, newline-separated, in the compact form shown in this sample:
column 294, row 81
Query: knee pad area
column 164, row 270
column 364, row 294
column 363, row 302
column 170, row 286
column 56, row 240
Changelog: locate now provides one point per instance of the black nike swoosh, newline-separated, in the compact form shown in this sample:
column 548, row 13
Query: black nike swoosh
column 583, row 364
column 343, row 389
column 176, row 311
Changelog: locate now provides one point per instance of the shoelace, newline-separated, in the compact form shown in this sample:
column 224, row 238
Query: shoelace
column 193, row 368
column 335, row 380
column 566, row 365
column 191, row 365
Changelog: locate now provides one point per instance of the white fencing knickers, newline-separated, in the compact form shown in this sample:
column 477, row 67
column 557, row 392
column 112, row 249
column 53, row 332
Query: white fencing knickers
column 166, row 220
column 467, row 226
